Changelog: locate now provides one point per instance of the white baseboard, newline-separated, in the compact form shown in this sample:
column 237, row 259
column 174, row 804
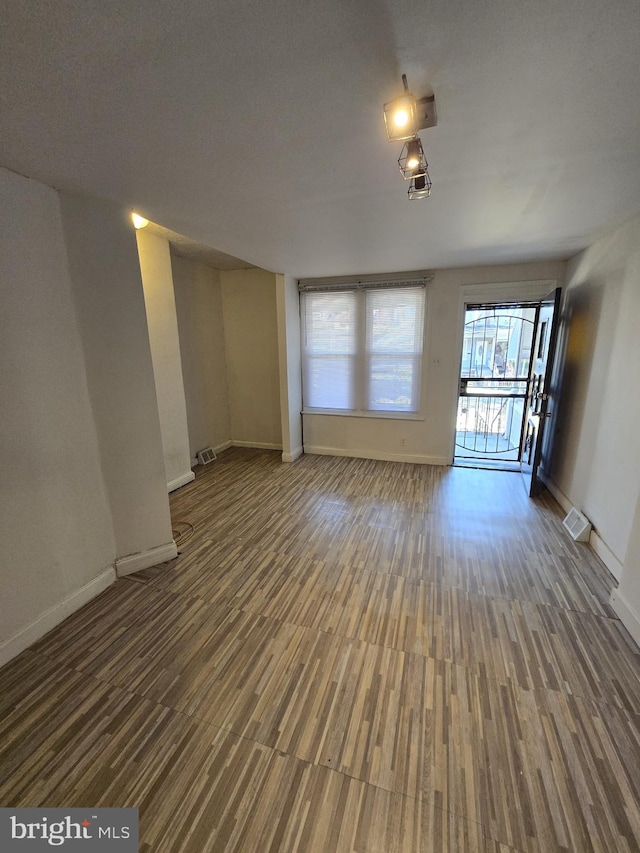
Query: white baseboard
column 295, row 454
column 373, row 454
column 606, row 555
column 55, row 615
column 627, row 615
column 258, row 445
column 145, row 559
column 597, row 544
column 559, row 495
column 217, row 448
column 180, row 481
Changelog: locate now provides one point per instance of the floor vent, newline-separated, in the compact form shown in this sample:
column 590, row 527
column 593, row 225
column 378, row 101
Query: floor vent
column 205, row 456
column 578, row 526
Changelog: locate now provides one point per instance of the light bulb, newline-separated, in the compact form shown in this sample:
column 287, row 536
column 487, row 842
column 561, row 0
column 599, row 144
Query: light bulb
column 413, row 154
column 400, row 118
column 139, row 221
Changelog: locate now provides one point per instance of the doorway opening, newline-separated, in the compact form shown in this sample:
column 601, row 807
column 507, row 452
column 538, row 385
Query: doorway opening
column 494, row 383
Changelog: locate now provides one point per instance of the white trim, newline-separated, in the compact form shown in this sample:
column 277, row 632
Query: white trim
column 145, row 559
column 352, row 413
column 350, row 282
column 217, row 449
column 180, row 481
column 597, row 545
column 627, row 615
column 507, row 291
column 559, row 495
column 259, row 445
column 606, row 555
column 55, row 615
column 295, row 454
column 374, row 454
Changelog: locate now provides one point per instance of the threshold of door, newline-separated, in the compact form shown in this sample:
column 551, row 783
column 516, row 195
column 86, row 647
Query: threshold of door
column 487, row 464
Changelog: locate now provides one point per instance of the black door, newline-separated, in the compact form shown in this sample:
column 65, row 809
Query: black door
column 538, row 400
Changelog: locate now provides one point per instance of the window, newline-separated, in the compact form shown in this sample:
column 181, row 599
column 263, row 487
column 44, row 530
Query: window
column 362, row 348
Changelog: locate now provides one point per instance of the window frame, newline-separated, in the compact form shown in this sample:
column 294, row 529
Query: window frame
column 363, row 357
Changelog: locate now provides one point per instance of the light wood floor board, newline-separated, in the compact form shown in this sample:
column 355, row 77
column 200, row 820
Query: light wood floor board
column 347, row 655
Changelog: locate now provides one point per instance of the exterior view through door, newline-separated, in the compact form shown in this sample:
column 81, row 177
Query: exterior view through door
column 498, row 410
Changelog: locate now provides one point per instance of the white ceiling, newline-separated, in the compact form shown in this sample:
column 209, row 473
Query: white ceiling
column 256, row 127
column 188, row 248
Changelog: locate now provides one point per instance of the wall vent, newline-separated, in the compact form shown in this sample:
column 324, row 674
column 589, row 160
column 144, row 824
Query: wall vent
column 205, row 456
column 578, row 526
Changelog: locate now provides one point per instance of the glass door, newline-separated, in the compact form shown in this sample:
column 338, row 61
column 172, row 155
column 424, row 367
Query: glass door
column 494, row 377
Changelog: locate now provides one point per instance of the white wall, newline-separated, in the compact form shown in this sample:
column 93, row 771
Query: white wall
column 596, row 457
column 251, row 346
column 626, row 599
column 290, row 366
column 428, row 438
column 198, row 295
column 157, row 282
column 57, row 537
column 107, row 291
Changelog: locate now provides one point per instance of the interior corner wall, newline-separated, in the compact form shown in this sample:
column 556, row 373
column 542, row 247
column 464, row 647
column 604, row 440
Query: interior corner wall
column 251, row 347
column 157, row 283
column 290, row 366
column 55, row 520
column 107, row 290
column 596, row 454
column 198, row 296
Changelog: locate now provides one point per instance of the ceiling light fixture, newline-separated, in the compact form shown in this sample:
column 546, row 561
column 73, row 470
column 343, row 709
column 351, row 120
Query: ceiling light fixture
column 406, row 114
column 400, row 116
column 412, row 160
column 139, row 221
column 403, row 118
column 420, row 186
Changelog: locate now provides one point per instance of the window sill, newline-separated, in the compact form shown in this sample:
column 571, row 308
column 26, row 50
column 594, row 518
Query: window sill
column 340, row 413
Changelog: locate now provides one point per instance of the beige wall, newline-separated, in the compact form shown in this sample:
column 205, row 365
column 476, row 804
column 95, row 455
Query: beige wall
column 157, row 283
column 596, row 458
column 429, row 438
column 290, row 366
column 198, row 294
column 251, row 346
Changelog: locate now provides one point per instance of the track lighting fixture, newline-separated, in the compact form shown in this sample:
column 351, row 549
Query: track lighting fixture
column 403, row 118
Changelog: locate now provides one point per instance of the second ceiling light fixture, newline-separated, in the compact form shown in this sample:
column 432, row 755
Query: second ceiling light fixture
column 404, row 117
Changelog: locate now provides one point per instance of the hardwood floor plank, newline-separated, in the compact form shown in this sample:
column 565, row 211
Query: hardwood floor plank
column 199, row 788
column 347, row 655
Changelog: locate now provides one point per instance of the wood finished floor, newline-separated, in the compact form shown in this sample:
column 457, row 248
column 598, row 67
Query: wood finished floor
column 348, row 655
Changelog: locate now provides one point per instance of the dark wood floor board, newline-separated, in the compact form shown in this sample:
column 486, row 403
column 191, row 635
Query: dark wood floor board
column 402, row 722
column 463, row 527
column 536, row 646
column 347, row 655
column 199, row 788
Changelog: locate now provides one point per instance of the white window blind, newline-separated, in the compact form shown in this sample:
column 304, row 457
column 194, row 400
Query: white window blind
column 362, row 348
column 330, row 321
